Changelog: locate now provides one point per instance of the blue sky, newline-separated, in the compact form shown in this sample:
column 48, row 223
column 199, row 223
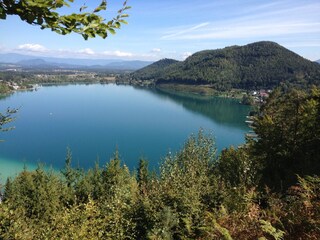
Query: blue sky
column 178, row 28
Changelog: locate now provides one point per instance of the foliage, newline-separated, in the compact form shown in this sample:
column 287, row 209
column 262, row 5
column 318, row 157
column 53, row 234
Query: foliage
column 6, row 118
column 288, row 132
column 185, row 182
column 46, row 14
column 154, row 70
column 237, row 167
column 247, row 99
column 304, row 208
column 269, row 229
column 254, row 66
column 4, row 88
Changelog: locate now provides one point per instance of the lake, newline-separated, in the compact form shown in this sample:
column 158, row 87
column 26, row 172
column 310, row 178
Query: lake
column 94, row 120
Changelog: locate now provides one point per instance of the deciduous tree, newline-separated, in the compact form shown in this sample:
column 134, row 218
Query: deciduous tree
column 288, row 140
column 46, row 14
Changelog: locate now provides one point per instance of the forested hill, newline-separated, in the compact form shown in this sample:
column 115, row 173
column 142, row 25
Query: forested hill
column 256, row 65
column 155, row 70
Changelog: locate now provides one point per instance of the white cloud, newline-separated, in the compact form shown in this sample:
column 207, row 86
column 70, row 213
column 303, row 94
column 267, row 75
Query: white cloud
column 185, row 30
column 253, row 30
column 117, row 54
column 37, row 49
column 185, row 55
column 303, row 44
column 265, row 21
column 86, row 51
column 156, row 50
column 249, row 29
column 2, row 48
column 31, row 47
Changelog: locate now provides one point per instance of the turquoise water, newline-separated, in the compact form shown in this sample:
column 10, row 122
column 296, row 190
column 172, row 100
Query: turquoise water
column 94, row 120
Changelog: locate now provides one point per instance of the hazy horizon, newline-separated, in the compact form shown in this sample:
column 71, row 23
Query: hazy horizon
column 176, row 29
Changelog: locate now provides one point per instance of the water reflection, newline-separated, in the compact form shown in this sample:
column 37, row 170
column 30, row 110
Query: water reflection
column 220, row 110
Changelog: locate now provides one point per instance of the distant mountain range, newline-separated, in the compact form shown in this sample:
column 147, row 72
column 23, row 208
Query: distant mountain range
column 49, row 62
column 257, row 65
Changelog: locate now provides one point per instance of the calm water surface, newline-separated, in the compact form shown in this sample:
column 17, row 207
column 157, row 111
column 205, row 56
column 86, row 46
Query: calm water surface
column 94, row 120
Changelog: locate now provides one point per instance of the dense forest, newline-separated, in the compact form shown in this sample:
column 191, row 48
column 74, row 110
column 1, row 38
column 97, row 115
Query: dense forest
column 268, row 188
column 253, row 66
column 155, row 70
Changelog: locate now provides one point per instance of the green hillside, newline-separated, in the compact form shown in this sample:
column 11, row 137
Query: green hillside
column 154, row 71
column 256, row 65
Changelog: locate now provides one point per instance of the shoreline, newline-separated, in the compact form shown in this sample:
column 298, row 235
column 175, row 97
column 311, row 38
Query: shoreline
column 203, row 91
column 200, row 90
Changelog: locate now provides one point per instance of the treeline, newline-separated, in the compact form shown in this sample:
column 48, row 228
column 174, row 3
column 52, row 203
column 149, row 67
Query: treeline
column 268, row 188
column 254, row 66
column 25, row 79
column 154, row 71
column 4, row 88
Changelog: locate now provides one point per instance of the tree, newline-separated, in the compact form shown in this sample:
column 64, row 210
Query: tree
column 237, row 168
column 288, row 140
column 143, row 176
column 118, row 199
column 45, row 13
column 68, row 172
column 247, row 100
column 184, row 189
column 6, row 118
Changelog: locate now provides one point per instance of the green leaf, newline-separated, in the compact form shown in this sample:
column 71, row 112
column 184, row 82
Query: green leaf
column 85, row 36
column 91, row 34
column 103, row 34
column 30, row 18
column 3, row 14
column 59, row 4
column 123, row 21
column 126, row 8
column 83, row 8
column 102, row 6
column 44, row 13
column 39, row 20
column 65, row 31
column 112, row 31
column 58, row 31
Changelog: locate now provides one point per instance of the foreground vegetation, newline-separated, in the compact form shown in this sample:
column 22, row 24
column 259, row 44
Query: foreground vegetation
column 265, row 189
column 47, row 15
